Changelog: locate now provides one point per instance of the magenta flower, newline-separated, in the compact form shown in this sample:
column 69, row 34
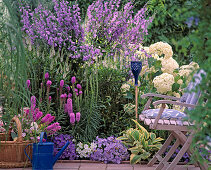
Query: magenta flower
column 33, row 100
column 53, row 126
column 78, row 86
column 76, row 94
column 68, row 89
column 69, row 95
column 69, row 106
column 49, row 98
column 78, row 115
column 47, row 76
column 45, row 118
column 73, row 80
column 61, row 83
column 28, row 83
column 80, row 92
column 48, row 83
column 50, row 119
column 72, row 118
column 38, row 115
column 65, row 95
column 76, row 90
column 62, row 96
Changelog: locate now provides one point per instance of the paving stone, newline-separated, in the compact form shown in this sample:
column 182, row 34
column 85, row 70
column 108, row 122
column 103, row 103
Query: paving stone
column 67, row 165
column 119, row 167
column 143, row 167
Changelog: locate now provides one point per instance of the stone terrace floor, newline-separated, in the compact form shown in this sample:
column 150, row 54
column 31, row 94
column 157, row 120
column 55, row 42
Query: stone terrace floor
column 101, row 166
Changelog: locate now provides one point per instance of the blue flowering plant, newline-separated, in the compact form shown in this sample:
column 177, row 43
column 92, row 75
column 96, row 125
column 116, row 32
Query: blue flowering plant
column 109, row 150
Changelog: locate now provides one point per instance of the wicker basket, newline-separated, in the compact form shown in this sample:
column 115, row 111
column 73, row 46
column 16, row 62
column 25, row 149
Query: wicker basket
column 12, row 152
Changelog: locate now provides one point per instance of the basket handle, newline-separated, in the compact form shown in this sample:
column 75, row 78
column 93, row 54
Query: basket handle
column 18, row 124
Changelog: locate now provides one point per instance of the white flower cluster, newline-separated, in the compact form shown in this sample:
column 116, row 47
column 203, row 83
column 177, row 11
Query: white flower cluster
column 85, row 150
column 163, row 83
column 125, row 87
column 169, row 65
column 160, row 48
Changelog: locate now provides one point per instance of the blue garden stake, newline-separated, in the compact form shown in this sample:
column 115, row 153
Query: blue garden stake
column 136, row 67
column 42, row 156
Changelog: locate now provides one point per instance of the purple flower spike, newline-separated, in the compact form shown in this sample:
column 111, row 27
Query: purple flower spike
column 45, row 118
column 73, row 80
column 38, row 115
column 28, row 83
column 78, row 86
column 76, row 90
column 62, row 96
column 80, row 92
column 68, row 88
column 69, row 95
column 72, row 118
column 48, row 83
column 33, row 100
column 69, row 106
column 78, row 115
column 47, row 76
column 61, row 83
column 65, row 95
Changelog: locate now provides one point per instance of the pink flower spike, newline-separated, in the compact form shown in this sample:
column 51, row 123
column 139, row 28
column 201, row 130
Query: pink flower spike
column 54, row 125
column 73, row 80
column 61, row 83
column 50, row 119
column 62, row 96
column 78, row 86
column 48, row 83
column 69, row 106
column 76, row 94
column 50, row 98
column 78, row 116
column 47, row 76
column 69, row 95
column 76, row 90
column 39, row 115
column 65, row 95
column 33, row 100
column 45, row 118
column 72, row 118
column 28, row 83
column 68, row 89
column 80, row 92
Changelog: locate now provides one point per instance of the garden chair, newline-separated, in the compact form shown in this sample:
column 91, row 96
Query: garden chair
column 171, row 120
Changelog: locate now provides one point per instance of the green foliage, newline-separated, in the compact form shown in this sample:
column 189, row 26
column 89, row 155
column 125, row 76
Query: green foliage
column 141, row 143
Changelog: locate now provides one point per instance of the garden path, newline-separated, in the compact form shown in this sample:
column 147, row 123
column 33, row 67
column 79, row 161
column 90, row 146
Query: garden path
column 101, row 166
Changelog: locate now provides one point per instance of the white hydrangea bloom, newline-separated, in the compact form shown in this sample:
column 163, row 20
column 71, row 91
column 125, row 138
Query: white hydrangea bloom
column 163, row 83
column 160, row 48
column 169, row 65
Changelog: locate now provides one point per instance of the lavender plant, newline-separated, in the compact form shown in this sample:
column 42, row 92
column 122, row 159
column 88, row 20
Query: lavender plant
column 110, row 27
column 59, row 28
column 59, row 141
column 109, row 150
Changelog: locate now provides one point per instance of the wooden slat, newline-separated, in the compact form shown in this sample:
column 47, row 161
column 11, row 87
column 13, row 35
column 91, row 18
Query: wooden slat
column 147, row 122
column 171, row 127
column 141, row 117
column 179, row 123
column 173, row 122
column 166, row 122
column 160, row 122
column 185, row 123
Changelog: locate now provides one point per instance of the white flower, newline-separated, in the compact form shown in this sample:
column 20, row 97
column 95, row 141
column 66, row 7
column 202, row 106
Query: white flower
column 169, row 65
column 80, row 145
column 125, row 87
column 34, row 126
column 86, row 146
column 163, row 83
column 93, row 145
column 160, row 48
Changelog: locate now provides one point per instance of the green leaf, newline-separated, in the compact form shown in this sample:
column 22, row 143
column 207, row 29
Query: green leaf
column 142, row 129
column 175, row 87
column 135, row 158
column 135, row 134
column 152, row 136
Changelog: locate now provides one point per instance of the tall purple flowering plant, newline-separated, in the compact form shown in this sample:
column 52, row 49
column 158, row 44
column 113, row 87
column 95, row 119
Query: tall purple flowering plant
column 59, row 28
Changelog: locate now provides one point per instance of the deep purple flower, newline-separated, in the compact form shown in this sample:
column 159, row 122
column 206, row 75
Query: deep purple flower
column 28, row 83
column 73, row 80
column 47, row 76
column 61, row 83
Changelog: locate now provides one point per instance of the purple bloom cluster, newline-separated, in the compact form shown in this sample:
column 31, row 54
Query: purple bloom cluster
column 116, row 27
column 109, row 150
column 58, row 28
column 59, row 141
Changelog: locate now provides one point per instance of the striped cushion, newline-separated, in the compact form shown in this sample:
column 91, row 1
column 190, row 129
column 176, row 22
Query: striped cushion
column 167, row 114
